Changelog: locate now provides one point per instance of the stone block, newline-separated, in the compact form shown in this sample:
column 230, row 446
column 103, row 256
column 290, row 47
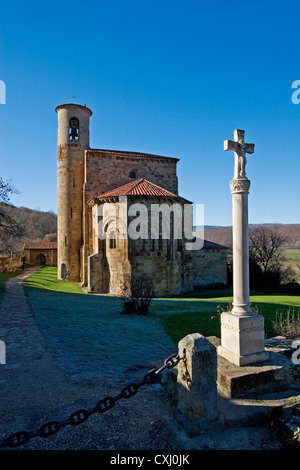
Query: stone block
column 243, row 339
column 197, row 379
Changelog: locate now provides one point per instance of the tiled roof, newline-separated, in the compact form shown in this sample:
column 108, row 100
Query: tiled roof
column 140, row 187
column 40, row 245
column 126, row 153
column 213, row 246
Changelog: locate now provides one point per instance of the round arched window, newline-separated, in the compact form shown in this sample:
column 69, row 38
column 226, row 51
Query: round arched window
column 73, row 129
column 132, row 174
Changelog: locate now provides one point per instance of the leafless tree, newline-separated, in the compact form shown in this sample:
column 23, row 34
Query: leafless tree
column 137, row 294
column 266, row 245
column 10, row 229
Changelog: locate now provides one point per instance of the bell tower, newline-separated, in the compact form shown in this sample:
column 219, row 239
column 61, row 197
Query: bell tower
column 73, row 140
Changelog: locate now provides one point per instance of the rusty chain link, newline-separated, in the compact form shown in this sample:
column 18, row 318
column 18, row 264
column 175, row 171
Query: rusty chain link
column 52, row 427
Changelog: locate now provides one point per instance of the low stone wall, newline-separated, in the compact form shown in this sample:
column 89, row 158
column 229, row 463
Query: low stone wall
column 10, row 264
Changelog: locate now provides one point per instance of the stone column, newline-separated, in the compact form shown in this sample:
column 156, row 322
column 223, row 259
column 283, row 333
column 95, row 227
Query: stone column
column 242, row 331
column 240, row 246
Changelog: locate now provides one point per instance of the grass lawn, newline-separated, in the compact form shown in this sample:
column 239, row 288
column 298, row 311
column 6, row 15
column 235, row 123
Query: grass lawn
column 4, row 277
column 90, row 334
column 46, row 278
column 198, row 312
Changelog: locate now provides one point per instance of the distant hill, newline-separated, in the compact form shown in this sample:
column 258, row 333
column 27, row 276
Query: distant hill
column 42, row 226
column 37, row 225
column 223, row 235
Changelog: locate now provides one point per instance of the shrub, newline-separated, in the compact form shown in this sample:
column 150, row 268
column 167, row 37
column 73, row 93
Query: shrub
column 137, row 294
column 287, row 325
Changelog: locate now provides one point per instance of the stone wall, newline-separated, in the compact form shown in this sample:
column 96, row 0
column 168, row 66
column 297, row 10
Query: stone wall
column 32, row 254
column 10, row 264
column 106, row 170
column 108, row 265
column 172, row 268
column 210, row 267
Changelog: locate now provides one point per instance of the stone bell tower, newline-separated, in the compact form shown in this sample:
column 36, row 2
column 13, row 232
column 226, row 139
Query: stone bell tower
column 73, row 140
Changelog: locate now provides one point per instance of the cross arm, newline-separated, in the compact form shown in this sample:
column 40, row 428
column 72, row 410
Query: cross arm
column 231, row 145
column 249, row 148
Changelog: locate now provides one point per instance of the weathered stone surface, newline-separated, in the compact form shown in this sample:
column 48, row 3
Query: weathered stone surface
column 196, row 379
column 276, row 372
column 70, row 179
column 242, row 338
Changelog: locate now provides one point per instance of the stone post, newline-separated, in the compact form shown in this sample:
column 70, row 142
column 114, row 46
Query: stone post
column 197, row 378
column 242, row 331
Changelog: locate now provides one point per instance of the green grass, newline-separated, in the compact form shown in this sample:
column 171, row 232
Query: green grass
column 4, row 277
column 91, row 337
column 293, row 260
column 46, row 278
column 179, row 316
column 293, row 254
column 182, row 318
column 201, row 314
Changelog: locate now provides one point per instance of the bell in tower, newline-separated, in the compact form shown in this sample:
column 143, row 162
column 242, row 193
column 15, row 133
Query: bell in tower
column 74, row 129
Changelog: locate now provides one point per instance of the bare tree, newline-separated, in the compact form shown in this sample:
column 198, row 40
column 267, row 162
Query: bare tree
column 10, row 229
column 266, row 246
column 137, row 294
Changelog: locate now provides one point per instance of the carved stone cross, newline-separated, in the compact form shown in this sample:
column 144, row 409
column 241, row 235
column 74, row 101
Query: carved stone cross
column 240, row 149
column 242, row 330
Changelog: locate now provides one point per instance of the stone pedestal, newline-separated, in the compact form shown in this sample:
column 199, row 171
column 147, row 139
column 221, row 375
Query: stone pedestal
column 243, row 340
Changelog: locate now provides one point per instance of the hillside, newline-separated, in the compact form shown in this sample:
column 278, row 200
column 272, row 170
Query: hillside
column 36, row 225
column 223, row 235
column 42, row 226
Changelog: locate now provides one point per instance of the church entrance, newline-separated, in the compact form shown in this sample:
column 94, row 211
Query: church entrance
column 40, row 260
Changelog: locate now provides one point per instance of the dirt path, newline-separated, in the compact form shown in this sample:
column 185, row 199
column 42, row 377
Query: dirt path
column 35, row 390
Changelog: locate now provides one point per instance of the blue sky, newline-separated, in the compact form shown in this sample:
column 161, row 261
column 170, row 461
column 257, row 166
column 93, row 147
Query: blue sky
column 166, row 77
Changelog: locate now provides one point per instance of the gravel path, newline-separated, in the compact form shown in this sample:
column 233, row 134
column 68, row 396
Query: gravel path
column 35, row 390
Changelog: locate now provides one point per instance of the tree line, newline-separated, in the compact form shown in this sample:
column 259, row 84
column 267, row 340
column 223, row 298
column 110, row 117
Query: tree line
column 20, row 224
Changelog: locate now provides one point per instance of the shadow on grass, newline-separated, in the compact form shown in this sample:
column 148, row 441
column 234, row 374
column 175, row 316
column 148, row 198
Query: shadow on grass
column 91, row 336
column 73, row 322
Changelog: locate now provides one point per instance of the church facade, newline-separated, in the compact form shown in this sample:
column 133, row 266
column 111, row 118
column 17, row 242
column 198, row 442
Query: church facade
column 120, row 215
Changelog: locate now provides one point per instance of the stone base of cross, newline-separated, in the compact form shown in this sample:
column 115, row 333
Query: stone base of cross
column 242, row 331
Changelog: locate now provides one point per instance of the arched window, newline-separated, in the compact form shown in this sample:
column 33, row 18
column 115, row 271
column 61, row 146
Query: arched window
column 112, row 240
column 132, row 174
column 73, row 129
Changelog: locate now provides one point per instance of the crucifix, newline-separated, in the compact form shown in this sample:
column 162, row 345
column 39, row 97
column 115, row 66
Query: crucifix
column 242, row 330
column 240, row 149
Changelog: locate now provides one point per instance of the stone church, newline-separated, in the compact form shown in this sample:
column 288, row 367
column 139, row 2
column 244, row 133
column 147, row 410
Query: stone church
column 113, row 208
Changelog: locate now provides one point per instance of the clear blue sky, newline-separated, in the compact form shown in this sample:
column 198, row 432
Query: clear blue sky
column 173, row 78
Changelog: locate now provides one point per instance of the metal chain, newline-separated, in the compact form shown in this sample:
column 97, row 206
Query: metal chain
column 52, row 427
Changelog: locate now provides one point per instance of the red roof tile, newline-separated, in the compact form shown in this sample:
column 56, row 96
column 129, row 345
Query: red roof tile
column 140, row 187
column 40, row 245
